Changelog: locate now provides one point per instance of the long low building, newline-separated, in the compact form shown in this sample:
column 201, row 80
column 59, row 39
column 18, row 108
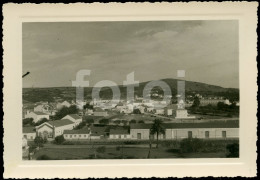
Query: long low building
column 80, row 134
column 228, row 129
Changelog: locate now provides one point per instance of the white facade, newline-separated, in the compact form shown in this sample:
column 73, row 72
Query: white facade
column 36, row 117
column 119, row 136
column 69, row 136
column 29, row 136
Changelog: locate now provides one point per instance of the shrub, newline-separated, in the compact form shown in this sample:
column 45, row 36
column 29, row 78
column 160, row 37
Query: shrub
column 27, row 121
column 44, row 157
column 38, row 140
column 191, row 145
column 101, row 149
column 133, row 121
column 233, row 150
column 59, row 139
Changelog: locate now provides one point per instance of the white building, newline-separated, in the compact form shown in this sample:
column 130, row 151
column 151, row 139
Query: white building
column 37, row 116
column 29, row 133
column 74, row 118
column 55, row 128
column 63, row 104
column 119, row 133
column 80, row 134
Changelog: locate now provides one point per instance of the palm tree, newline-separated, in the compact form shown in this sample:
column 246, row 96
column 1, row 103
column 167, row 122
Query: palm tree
column 157, row 128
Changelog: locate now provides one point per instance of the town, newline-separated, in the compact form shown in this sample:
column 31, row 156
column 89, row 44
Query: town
column 124, row 129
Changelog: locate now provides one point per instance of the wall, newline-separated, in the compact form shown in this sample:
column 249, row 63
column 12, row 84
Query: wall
column 29, row 136
column 76, row 136
column 119, row 136
column 59, row 130
column 200, row 133
column 144, row 133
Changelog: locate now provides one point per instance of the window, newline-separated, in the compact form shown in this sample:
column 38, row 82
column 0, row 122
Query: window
column 189, row 134
column 79, row 135
column 70, row 136
column 206, row 134
column 85, row 135
column 75, row 135
column 119, row 136
column 25, row 136
column 31, row 137
column 224, row 134
column 138, row 135
column 125, row 136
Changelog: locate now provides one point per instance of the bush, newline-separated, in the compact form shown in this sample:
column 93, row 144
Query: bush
column 27, row 121
column 104, row 121
column 141, row 122
column 59, row 139
column 81, row 125
column 38, row 140
column 44, row 157
column 101, row 149
column 133, row 121
column 233, row 150
column 191, row 145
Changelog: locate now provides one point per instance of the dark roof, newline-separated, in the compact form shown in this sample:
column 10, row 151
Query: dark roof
column 78, row 131
column 74, row 116
column 28, row 130
column 62, row 122
column 97, row 131
column 216, row 124
column 140, row 126
column 119, row 131
column 39, row 113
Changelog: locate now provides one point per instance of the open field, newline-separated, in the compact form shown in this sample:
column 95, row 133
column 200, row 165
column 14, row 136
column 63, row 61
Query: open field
column 111, row 152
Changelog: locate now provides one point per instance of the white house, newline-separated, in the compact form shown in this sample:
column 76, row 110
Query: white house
column 37, row 116
column 119, row 133
column 29, row 133
column 55, row 128
column 63, row 104
column 74, row 118
column 80, row 134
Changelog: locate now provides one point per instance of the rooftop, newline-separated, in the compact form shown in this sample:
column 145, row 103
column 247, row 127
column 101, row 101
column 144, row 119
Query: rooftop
column 39, row 113
column 74, row 116
column 59, row 123
column 215, row 124
column 119, row 131
column 28, row 129
column 84, row 130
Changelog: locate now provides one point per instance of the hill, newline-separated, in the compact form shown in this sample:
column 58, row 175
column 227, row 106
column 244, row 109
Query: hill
column 69, row 93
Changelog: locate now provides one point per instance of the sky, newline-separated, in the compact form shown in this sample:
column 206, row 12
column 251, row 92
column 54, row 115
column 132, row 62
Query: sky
column 53, row 52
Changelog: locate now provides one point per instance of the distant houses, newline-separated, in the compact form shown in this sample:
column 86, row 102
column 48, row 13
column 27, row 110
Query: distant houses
column 63, row 104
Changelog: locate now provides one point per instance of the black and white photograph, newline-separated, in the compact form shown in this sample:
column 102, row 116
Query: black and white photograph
column 155, row 89
column 124, row 90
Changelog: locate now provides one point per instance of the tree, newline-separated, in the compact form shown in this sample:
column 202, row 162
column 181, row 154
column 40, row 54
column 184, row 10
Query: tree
column 59, row 139
column 137, row 111
column 133, row 121
column 157, row 128
column 27, row 121
column 80, row 125
column 233, row 150
column 64, row 111
column 196, row 102
column 89, row 121
column 117, row 122
column 104, row 121
column 141, row 122
column 43, row 157
column 38, row 140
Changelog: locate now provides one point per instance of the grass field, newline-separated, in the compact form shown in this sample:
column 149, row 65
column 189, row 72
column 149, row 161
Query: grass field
column 111, row 152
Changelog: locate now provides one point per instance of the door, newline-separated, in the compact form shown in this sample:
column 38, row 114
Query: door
column 138, row 135
column 189, row 134
column 206, row 134
column 224, row 134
